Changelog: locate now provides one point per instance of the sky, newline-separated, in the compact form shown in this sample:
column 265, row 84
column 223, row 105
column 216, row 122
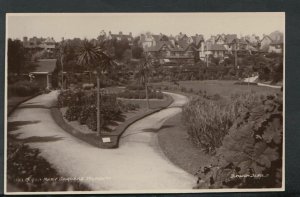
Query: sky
column 89, row 26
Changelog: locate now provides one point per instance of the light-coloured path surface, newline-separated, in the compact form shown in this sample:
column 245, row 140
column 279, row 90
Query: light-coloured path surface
column 267, row 85
column 138, row 164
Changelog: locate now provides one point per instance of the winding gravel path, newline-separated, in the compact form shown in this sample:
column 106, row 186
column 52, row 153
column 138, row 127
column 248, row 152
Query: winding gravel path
column 138, row 164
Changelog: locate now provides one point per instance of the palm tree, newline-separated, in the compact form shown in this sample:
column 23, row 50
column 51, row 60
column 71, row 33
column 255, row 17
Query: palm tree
column 143, row 74
column 63, row 52
column 95, row 58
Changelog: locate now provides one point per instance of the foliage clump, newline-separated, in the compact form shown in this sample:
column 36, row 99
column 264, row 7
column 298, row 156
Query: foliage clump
column 139, row 92
column 23, row 88
column 28, row 171
column 208, row 120
column 251, row 153
column 81, row 107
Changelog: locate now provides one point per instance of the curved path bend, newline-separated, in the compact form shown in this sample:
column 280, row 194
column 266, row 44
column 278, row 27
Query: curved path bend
column 138, row 164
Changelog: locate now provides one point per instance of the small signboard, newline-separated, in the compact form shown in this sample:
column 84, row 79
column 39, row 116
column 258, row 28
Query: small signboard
column 106, row 139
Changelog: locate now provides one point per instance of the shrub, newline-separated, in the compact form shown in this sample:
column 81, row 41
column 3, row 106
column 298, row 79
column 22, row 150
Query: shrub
column 82, row 107
column 135, row 87
column 245, row 83
column 23, row 88
column 253, row 146
column 73, row 113
column 183, row 89
column 86, row 112
column 127, row 107
column 70, row 98
column 141, row 94
column 91, row 120
column 25, row 163
column 208, row 121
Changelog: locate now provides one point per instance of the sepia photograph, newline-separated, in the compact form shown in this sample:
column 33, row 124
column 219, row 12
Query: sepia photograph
column 115, row 103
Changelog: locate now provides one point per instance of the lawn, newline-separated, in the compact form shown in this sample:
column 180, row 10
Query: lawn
column 223, row 88
column 175, row 143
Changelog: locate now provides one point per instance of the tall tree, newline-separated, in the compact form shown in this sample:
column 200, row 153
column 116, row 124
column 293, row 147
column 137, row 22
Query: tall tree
column 96, row 59
column 143, row 74
column 63, row 53
column 16, row 56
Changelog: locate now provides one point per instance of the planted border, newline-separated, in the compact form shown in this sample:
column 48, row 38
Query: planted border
column 94, row 139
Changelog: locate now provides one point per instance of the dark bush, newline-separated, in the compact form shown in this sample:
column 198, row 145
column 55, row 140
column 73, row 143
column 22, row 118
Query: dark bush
column 23, row 88
column 135, row 87
column 69, row 98
column 86, row 112
column 73, row 113
column 82, row 107
column 25, row 163
column 141, row 94
column 127, row 107
column 183, row 89
column 245, row 83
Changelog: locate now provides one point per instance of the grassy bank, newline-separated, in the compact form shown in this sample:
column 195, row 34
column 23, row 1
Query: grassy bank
column 173, row 140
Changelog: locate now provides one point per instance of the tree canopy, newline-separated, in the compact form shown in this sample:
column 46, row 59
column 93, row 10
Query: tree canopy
column 16, row 56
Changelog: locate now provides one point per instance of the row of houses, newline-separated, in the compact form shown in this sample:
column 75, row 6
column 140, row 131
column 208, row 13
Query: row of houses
column 35, row 44
column 186, row 47
column 183, row 47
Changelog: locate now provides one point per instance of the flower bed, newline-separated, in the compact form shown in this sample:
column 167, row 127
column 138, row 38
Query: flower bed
column 81, row 106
